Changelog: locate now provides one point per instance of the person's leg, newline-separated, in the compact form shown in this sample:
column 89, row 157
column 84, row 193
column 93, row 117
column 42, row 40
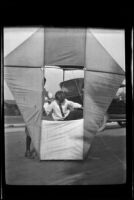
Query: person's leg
column 73, row 115
column 29, row 153
column 33, row 153
column 28, row 143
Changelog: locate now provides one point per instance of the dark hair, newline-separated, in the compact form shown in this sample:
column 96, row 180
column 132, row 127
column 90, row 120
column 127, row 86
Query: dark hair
column 60, row 96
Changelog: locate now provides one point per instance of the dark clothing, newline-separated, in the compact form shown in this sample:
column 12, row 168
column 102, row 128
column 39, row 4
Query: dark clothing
column 28, row 143
column 45, row 92
column 28, row 139
column 61, row 110
column 75, row 114
column 27, row 132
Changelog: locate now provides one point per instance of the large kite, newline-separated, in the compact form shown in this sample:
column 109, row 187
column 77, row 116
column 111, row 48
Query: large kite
column 62, row 47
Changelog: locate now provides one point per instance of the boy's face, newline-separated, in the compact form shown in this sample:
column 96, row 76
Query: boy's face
column 60, row 102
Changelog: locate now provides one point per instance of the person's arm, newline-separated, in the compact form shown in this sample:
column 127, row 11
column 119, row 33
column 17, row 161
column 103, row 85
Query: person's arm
column 48, row 107
column 74, row 104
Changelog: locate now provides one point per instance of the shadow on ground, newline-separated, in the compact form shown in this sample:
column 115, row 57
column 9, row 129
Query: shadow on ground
column 105, row 163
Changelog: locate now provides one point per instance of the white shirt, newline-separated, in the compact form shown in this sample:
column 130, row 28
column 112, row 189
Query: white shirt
column 55, row 109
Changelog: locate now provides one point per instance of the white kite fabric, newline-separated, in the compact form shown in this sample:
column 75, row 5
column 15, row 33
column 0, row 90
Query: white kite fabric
column 62, row 140
column 50, row 47
column 26, row 86
column 63, row 47
column 103, row 77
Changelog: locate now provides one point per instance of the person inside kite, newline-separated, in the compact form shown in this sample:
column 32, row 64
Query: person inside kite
column 63, row 109
column 47, row 96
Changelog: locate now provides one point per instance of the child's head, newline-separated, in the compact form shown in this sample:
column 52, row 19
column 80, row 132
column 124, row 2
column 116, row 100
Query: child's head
column 60, row 97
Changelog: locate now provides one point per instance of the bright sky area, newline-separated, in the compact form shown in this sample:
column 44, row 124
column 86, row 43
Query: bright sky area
column 112, row 40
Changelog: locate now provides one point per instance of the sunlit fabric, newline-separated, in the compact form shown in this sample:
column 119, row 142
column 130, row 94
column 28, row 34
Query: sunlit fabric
column 100, row 88
column 62, row 140
column 29, row 53
column 103, row 77
column 50, row 47
column 26, row 87
column 98, row 58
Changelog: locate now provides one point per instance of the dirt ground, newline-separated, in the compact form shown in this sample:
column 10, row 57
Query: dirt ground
column 106, row 162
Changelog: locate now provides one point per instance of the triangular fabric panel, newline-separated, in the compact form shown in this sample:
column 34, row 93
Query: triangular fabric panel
column 26, row 87
column 97, row 58
column 103, row 77
column 64, row 46
column 100, row 88
column 29, row 53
